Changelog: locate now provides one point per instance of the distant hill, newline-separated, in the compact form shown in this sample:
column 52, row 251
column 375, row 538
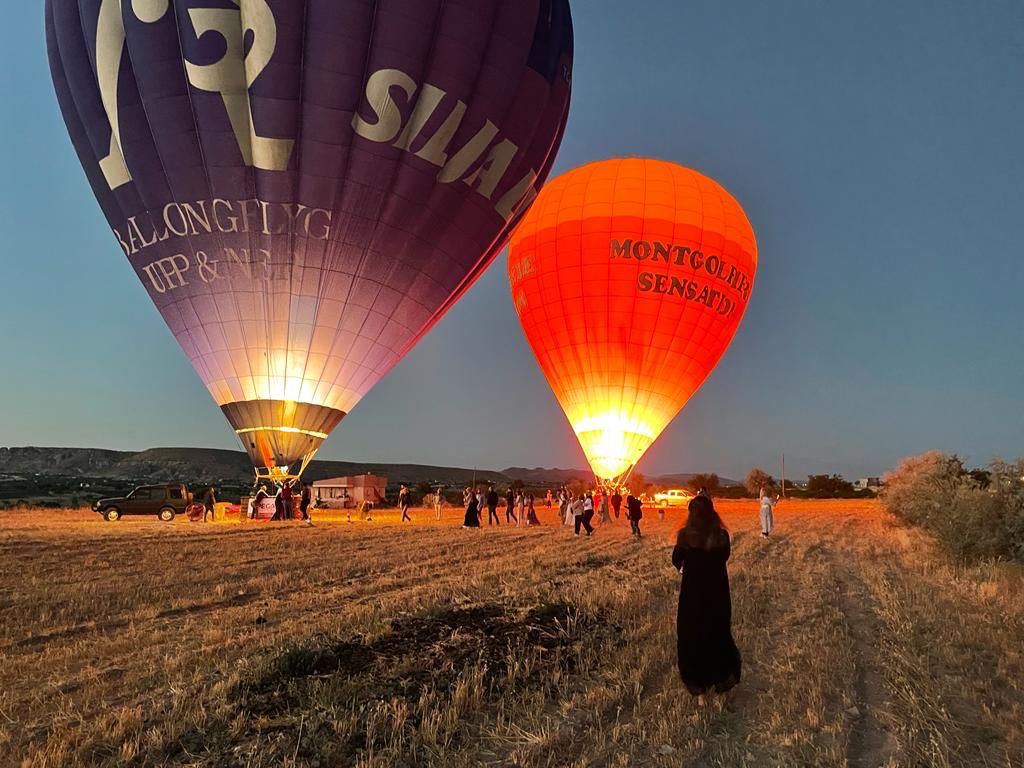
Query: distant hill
column 211, row 465
column 680, row 479
column 157, row 465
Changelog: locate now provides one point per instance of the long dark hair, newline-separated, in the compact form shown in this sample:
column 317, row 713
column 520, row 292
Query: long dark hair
column 703, row 527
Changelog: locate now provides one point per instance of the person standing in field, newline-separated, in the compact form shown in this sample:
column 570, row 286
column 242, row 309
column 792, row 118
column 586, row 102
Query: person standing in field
column 520, row 506
column 403, row 503
column 588, row 512
column 570, row 508
column 492, row 506
column 768, row 503
column 438, row 501
column 305, row 499
column 582, row 515
column 366, row 510
column 603, row 517
column 209, row 499
column 635, row 513
column 278, row 506
column 287, row 509
column 510, row 506
column 548, row 498
column 708, row 657
column 472, row 518
column 616, row 502
column 531, row 512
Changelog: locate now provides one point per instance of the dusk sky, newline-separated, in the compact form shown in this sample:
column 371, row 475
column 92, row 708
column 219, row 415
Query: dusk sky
column 875, row 146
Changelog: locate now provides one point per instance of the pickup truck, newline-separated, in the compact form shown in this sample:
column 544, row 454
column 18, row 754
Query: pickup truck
column 164, row 501
column 673, row 498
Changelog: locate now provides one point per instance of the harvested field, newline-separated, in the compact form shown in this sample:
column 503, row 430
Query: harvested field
column 377, row 644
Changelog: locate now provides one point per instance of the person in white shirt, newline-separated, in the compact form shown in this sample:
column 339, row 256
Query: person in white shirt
column 768, row 503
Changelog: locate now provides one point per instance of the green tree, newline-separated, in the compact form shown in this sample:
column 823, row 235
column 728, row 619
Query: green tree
column 709, row 481
column 757, row 479
column 829, row 487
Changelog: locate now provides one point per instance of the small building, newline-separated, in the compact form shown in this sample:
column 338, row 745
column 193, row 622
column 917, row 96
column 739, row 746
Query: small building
column 342, row 492
column 868, row 484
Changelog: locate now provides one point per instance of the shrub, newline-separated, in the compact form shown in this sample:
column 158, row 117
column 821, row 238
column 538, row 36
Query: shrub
column 975, row 515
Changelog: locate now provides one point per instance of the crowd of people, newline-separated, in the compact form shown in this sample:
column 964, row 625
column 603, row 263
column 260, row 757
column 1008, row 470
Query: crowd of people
column 575, row 509
column 708, row 658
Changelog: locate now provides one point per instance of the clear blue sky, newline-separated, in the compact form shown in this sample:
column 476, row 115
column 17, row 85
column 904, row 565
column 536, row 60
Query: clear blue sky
column 876, row 146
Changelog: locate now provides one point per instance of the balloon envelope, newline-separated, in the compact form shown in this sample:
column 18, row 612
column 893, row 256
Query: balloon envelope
column 304, row 188
column 630, row 278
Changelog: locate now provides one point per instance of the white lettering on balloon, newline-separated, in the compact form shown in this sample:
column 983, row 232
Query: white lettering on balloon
column 388, row 125
column 204, row 217
column 231, row 76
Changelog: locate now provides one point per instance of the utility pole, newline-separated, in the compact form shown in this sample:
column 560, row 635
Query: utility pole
column 783, row 475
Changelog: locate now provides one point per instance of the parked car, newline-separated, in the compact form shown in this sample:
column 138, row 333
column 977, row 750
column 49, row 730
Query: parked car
column 675, row 497
column 163, row 501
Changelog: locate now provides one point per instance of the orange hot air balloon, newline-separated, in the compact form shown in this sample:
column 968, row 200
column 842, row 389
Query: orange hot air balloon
column 630, row 278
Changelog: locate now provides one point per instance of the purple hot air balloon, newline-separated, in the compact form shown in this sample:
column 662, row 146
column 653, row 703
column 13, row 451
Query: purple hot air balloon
column 305, row 186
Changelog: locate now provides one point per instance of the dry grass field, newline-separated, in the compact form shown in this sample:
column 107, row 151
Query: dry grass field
column 376, row 644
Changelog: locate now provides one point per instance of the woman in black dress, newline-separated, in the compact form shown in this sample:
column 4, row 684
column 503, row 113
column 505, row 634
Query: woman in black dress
column 472, row 519
column 708, row 657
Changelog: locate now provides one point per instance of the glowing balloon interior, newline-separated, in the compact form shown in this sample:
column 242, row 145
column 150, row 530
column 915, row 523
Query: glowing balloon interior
column 304, row 188
column 630, row 278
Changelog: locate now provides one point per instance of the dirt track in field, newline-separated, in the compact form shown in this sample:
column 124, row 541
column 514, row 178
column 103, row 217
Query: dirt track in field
column 378, row 644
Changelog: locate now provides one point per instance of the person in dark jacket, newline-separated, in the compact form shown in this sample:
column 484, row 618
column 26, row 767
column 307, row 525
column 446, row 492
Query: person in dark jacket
column 472, row 519
column 708, row 657
column 403, row 503
column 209, row 499
column 305, row 500
column 510, row 507
column 287, row 508
column 635, row 513
column 616, row 502
column 531, row 511
column 492, row 506
column 278, row 506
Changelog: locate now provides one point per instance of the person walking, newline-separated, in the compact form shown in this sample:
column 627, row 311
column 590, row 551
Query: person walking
column 531, row 512
column 616, row 502
column 588, row 512
column 472, row 518
column 570, row 508
column 708, row 657
column 438, row 501
column 576, row 510
column 603, row 517
column 510, row 507
column 768, row 503
column 635, row 513
column 403, row 503
column 209, row 499
column 492, row 506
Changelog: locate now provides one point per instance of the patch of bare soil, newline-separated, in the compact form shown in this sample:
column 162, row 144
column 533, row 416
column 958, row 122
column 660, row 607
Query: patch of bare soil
column 871, row 743
column 419, row 656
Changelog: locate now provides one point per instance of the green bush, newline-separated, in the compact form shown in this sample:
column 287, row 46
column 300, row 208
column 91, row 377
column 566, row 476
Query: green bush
column 976, row 515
